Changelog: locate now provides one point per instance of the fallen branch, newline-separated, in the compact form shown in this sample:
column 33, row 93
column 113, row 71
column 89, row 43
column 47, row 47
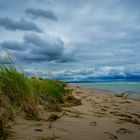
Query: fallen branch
column 54, row 117
column 123, row 94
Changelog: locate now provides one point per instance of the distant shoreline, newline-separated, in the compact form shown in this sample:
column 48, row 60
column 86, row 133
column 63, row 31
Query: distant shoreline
column 117, row 81
column 133, row 94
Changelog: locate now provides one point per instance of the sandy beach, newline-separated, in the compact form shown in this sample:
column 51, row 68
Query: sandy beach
column 99, row 117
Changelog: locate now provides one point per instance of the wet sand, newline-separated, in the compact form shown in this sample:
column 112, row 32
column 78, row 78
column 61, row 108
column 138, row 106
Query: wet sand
column 99, row 117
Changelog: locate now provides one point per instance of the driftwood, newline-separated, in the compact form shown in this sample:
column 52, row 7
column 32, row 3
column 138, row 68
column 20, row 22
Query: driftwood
column 123, row 94
column 54, row 117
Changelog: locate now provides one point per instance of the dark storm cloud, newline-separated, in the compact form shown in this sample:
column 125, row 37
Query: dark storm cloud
column 47, row 47
column 34, row 49
column 22, row 24
column 36, row 13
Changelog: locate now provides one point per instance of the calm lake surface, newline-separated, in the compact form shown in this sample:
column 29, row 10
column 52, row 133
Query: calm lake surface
column 131, row 87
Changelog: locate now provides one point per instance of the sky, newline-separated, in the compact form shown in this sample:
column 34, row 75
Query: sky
column 73, row 39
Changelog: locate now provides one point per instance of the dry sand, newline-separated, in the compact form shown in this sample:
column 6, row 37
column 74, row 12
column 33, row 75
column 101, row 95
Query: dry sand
column 100, row 117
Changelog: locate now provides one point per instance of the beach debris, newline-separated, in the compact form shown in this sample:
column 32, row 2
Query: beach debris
column 111, row 136
column 124, row 131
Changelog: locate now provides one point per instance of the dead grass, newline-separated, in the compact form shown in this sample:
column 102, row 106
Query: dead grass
column 70, row 100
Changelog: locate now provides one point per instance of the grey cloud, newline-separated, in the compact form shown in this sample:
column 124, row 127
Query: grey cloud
column 13, row 45
column 34, row 49
column 36, row 13
column 49, row 48
column 45, row 47
column 22, row 24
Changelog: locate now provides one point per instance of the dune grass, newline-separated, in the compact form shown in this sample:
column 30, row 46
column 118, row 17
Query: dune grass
column 21, row 90
column 21, row 93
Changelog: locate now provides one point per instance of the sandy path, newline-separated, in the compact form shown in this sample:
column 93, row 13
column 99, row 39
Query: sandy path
column 100, row 117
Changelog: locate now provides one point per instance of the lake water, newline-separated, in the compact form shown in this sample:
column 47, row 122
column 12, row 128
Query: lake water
column 131, row 87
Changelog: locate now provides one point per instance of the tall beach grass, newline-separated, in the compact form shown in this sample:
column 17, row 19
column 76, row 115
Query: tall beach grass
column 21, row 93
